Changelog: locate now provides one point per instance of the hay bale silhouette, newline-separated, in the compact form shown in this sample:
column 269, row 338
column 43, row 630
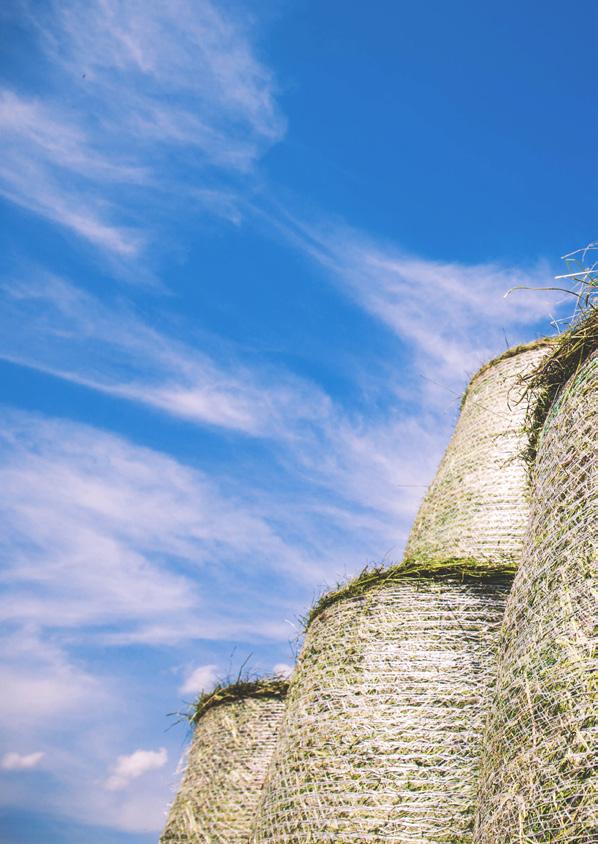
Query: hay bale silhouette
column 476, row 508
column 234, row 737
column 380, row 737
column 539, row 775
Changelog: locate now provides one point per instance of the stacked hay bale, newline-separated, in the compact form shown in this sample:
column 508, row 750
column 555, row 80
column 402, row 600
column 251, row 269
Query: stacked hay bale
column 235, row 729
column 380, row 741
column 377, row 742
column 540, row 773
column 477, row 505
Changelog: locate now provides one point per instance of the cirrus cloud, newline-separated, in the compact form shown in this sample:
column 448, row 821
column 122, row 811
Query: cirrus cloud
column 149, row 94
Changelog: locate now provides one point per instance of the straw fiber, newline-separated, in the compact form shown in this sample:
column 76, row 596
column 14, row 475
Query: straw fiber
column 381, row 733
column 540, row 766
column 232, row 745
column 476, row 509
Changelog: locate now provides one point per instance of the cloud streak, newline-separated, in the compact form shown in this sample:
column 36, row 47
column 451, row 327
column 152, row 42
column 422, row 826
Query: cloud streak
column 101, row 532
column 57, row 328
column 150, row 95
column 450, row 317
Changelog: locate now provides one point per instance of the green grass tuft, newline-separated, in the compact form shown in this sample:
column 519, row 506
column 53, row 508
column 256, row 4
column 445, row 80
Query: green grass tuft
column 573, row 348
column 372, row 576
column 266, row 687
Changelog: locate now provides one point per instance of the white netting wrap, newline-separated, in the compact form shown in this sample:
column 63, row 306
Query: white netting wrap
column 476, row 508
column 232, row 745
column 539, row 774
column 380, row 741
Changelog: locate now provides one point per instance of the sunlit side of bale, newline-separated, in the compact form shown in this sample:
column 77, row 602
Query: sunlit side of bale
column 477, row 508
column 230, row 751
column 380, row 741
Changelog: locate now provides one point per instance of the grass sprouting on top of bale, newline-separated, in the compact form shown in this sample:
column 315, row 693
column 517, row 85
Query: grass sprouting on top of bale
column 508, row 353
column 265, row 687
column 572, row 350
column 414, row 567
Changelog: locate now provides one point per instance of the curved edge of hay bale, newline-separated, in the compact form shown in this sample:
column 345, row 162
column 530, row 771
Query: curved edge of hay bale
column 413, row 568
column 262, row 688
column 385, row 708
column 476, row 507
column 539, row 781
column 540, row 343
column 235, row 728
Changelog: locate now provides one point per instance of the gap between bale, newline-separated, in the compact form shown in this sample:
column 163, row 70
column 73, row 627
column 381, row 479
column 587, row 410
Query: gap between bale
column 572, row 350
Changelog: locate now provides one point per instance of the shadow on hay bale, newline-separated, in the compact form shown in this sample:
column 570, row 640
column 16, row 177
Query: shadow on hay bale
column 380, row 738
column 539, row 777
column 476, row 508
column 235, row 730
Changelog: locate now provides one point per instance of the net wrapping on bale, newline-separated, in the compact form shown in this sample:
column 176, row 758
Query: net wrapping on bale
column 234, row 737
column 380, row 737
column 477, row 508
column 539, row 776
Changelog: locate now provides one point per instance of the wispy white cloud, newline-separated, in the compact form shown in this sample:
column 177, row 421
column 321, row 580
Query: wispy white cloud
column 133, row 766
column 450, row 316
column 43, row 685
column 99, row 531
column 152, row 98
column 13, row 761
column 47, row 165
column 191, row 52
column 201, row 679
column 282, row 669
column 57, row 328
column 368, row 469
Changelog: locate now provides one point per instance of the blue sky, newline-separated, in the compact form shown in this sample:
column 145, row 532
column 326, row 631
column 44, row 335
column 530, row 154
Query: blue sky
column 250, row 255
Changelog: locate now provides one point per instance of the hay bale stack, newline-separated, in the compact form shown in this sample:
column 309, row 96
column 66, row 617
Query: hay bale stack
column 234, row 737
column 476, row 508
column 540, row 772
column 380, row 738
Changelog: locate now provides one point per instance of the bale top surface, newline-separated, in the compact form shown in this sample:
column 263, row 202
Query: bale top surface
column 375, row 576
column 540, row 343
column 266, row 687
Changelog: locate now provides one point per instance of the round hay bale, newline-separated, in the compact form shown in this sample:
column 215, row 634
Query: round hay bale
column 234, row 737
column 540, row 764
column 476, row 508
column 380, row 737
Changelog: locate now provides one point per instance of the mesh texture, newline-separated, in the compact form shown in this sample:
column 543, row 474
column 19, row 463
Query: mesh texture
column 380, row 741
column 477, row 506
column 231, row 747
column 539, row 775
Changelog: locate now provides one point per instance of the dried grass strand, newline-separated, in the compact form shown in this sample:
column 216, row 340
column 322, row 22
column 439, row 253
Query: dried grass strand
column 539, row 779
